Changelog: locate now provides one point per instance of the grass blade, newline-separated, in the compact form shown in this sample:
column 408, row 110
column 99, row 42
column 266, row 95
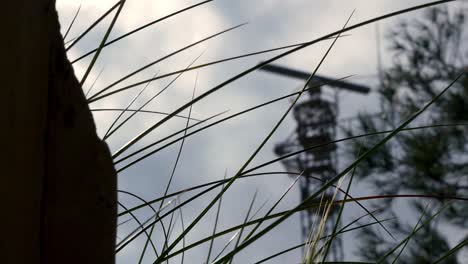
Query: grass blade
column 412, row 234
column 96, row 97
column 183, row 240
column 137, row 197
column 215, row 226
column 101, row 46
column 135, row 233
column 172, row 176
column 152, row 228
column 414, row 229
column 341, row 231
column 452, row 251
column 238, row 232
column 170, row 228
column 274, row 206
column 141, row 111
column 153, row 97
column 151, row 231
column 338, row 218
column 72, row 22
column 183, row 130
column 179, row 153
column 125, row 110
column 124, row 222
column 94, row 82
column 141, row 226
column 246, row 219
column 137, row 29
column 94, row 24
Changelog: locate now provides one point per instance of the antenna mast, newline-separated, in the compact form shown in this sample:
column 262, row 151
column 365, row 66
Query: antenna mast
column 316, row 124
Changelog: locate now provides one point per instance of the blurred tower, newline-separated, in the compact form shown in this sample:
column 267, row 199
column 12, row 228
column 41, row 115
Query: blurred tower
column 316, row 124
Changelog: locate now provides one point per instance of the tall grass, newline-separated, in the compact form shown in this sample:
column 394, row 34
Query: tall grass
column 157, row 229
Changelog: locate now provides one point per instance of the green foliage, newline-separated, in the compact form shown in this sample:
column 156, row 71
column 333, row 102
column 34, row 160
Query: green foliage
column 427, row 55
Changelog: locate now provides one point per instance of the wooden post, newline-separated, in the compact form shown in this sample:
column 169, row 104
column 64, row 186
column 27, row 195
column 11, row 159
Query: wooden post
column 58, row 183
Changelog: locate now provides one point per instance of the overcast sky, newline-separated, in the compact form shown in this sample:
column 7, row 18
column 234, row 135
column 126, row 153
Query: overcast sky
column 206, row 156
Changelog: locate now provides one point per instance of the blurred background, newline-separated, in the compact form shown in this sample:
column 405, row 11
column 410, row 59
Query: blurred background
column 365, row 53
